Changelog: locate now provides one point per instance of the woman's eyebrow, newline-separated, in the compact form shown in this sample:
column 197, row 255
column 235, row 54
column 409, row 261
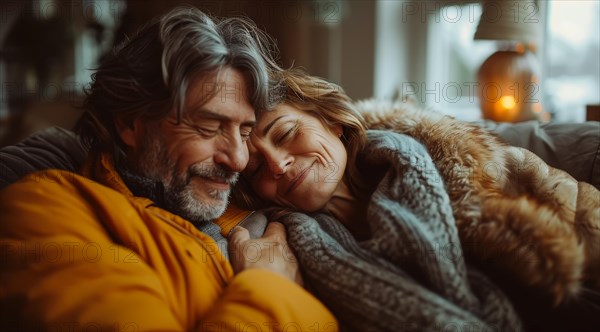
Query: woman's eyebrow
column 270, row 125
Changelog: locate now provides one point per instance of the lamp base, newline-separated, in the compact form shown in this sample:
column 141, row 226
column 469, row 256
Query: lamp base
column 509, row 89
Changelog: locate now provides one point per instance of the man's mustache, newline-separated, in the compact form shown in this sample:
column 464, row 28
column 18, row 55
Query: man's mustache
column 213, row 171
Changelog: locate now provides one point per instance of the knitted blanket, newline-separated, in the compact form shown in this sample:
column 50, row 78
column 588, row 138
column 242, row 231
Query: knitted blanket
column 410, row 275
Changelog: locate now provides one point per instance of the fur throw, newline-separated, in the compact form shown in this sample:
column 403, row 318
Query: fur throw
column 513, row 211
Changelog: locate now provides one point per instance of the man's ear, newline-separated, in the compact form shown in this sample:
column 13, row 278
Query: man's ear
column 129, row 133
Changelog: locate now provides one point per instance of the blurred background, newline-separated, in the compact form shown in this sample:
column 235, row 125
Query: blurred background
column 426, row 51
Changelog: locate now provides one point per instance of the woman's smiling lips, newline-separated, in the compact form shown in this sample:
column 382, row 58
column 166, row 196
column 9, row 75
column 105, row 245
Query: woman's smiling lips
column 300, row 178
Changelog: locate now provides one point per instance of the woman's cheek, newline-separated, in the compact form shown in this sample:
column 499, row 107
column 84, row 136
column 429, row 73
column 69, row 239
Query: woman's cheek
column 267, row 189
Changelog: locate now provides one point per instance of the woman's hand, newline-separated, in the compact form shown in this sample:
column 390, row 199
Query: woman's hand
column 270, row 252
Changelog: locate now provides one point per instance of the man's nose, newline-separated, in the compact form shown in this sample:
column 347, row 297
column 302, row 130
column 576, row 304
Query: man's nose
column 232, row 154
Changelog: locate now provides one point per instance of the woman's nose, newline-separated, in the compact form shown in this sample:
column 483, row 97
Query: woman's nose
column 279, row 169
column 280, row 164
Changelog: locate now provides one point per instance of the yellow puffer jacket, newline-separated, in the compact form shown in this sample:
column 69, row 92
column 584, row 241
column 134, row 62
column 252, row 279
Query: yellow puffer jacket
column 79, row 255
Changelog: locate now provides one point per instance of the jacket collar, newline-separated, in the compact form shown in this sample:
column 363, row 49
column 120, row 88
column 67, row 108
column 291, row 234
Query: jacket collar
column 100, row 167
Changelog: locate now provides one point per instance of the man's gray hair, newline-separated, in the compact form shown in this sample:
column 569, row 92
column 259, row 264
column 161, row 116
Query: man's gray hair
column 147, row 75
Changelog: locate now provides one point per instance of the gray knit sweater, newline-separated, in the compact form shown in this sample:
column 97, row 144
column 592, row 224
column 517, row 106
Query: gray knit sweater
column 410, row 275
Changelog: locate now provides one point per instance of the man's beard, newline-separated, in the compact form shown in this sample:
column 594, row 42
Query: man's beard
column 178, row 194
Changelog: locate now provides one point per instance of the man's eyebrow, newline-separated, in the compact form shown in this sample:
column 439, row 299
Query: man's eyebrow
column 270, row 125
column 203, row 113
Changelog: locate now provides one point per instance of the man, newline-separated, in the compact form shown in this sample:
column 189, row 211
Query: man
column 167, row 118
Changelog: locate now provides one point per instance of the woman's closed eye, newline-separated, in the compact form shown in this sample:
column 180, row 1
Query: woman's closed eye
column 285, row 133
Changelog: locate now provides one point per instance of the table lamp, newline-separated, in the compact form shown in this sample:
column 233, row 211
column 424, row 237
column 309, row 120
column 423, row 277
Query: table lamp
column 509, row 89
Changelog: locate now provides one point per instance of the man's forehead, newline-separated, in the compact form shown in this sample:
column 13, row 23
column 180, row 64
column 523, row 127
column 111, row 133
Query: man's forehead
column 221, row 96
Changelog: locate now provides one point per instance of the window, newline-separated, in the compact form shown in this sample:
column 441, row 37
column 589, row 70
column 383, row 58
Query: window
column 453, row 60
column 572, row 59
column 571, row 32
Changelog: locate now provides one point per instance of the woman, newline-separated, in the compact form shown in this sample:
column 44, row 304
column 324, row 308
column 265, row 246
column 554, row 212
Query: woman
column 312, row 153
column 318, row 141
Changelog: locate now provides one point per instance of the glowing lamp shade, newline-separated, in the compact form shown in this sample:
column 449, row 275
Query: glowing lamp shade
column 510, row 20
column 509, row 89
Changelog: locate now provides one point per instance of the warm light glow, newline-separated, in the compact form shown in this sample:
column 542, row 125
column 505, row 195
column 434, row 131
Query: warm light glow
column 505, row 109
column 508, row 102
